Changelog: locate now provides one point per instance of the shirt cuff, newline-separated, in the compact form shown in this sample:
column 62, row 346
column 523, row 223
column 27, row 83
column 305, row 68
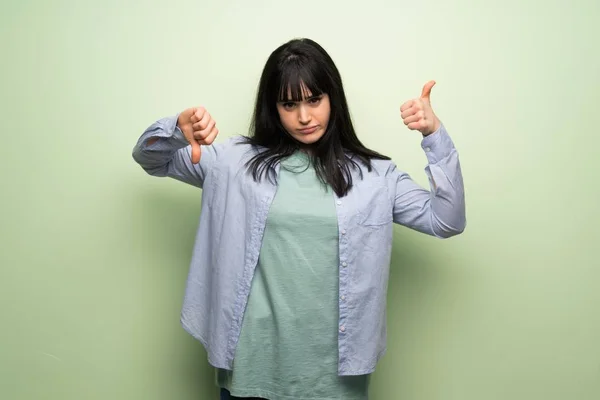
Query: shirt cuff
column 437, row 145
column 174, row 130
column 169, row 133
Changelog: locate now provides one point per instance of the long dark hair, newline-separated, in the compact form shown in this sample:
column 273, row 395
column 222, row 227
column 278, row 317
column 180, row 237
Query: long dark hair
column 295, row 66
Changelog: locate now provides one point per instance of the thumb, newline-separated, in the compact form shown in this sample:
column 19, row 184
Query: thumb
column 196, row 150
column 427, row 90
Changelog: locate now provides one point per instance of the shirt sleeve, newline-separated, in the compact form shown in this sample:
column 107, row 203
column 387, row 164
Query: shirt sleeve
column 439, row 211
column 171, row 155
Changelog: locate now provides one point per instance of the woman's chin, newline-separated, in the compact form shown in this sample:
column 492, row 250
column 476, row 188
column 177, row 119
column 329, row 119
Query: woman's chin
column 308, row 139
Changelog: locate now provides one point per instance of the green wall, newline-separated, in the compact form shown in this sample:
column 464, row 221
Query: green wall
column 95, row 253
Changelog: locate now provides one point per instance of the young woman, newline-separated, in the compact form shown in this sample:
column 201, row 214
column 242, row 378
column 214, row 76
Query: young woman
column 288, row 279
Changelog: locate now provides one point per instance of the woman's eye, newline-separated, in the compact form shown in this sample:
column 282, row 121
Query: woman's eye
column 288, row 106
column 315, row 100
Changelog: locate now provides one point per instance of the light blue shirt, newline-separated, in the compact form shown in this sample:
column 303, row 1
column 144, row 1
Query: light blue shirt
column 233, row 217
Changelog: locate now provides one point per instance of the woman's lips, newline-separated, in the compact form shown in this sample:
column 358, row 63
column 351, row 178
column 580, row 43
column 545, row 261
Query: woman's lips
column 307, row 131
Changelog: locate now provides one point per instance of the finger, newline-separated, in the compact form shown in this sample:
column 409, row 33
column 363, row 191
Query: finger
column 203, row 134
column 211, row 136
column 198, row 114
column 203, row 122
column 411, row 111
column 420, row 124
column 413, row 118
column 196, row 151
column 407, row 105
column 427, row 90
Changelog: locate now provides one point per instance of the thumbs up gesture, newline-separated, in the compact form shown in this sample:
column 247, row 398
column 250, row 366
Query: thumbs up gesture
column 199, row 128
column 418, row 115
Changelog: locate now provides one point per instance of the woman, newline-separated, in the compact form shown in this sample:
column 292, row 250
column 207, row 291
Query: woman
column 288, row 279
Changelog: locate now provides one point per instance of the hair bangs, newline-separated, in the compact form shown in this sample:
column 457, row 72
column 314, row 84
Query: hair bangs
column 298, row 80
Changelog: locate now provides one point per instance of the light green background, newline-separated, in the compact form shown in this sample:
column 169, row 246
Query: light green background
column 95, row 253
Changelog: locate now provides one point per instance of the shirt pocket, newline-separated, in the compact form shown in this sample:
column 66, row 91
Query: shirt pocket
column 373, row 202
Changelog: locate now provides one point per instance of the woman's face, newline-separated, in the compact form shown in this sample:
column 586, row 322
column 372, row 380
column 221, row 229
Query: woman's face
column 305, row 120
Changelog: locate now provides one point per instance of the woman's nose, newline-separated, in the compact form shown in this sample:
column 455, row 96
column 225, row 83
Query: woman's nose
column 304, row 116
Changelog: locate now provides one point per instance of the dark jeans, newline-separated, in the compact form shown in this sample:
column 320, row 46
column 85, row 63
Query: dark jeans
column 225, row 395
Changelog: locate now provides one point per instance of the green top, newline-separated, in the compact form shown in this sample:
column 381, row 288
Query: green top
column 288, row 344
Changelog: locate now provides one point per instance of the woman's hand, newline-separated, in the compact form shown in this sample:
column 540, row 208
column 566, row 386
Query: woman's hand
column 417, row 114
column 199, row 128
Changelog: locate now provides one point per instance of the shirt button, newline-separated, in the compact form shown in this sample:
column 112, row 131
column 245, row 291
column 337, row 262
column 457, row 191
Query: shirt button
column 344, row 232
column 339, row 203
column 344, row 264
column 427, row 148
column 343, row 297
column 342, row 328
